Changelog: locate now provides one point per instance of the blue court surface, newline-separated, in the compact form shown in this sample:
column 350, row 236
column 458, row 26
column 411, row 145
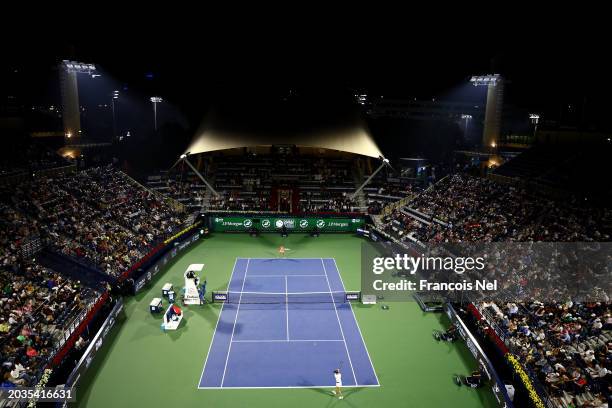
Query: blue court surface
column 286, row 324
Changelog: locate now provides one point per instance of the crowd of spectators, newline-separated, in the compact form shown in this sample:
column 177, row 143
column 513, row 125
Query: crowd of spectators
column 568, row 346
column 98, row 215
column 564, row 336
column 331, row 203
column 463, row 208
column 36, row 303
column 251, row 182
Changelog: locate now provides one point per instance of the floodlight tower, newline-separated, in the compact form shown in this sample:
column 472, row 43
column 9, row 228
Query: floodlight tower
column 70, row 94
column 467, row 119
column 535, row 119
column 115, row 97
column 155, row 100
column 494, row 107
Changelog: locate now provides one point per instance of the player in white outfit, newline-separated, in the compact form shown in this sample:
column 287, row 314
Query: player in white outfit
column 338, row 378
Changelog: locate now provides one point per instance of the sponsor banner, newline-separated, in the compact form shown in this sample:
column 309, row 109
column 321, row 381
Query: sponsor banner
column 264, row 224
column 94, row 346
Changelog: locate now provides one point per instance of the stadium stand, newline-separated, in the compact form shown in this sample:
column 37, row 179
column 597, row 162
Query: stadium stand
column 103, row 218
column 37, row 305
column 566, row 345
column 467, row 208
column 98, row 215
column 249, row 182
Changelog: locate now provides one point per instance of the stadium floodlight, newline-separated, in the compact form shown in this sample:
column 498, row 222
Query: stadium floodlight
column 535, row 119
column 362, row 99
column 115, row 96
column 485, row 80
column 79, row 67
column 466, row 117
column 155, row 100
column 385, row 162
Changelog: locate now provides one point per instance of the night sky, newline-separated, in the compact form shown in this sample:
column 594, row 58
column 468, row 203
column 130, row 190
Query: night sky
column 546, row 73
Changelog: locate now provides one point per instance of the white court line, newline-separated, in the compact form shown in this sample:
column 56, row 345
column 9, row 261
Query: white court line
column 217, row 324
column 356, row 323
column 246, row 271
column 287, row 305
column 281, row 259
column 284, row 341
column 339, row 324
column 277, row 276
column 291, row 386
column 246, row 292
column 294, row 340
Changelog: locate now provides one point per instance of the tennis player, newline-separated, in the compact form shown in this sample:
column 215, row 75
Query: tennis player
column 282, row 250
column 338, row 378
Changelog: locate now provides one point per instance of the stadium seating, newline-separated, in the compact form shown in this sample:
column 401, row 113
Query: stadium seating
column 466, row 208
column 251, row 183
column 99, row 215
column 37, row 305
column 566, row 345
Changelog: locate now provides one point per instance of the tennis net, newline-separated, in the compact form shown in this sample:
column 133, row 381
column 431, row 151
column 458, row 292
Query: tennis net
column 284, row 297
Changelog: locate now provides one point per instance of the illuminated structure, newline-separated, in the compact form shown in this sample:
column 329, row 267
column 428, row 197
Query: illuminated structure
column 494, row 107
column 70, row 94
column 155, row 100
column 466, row 118
column 115, row 97
column 535, row 119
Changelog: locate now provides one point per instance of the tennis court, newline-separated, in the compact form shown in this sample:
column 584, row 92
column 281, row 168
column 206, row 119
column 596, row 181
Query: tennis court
column 286, row 323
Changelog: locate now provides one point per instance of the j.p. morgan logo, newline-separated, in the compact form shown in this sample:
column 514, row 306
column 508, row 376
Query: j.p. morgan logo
column 337, row 224
column 248, row 223
column 303, row 223
column 265, row 223
column 320, row 223
column 232, row 223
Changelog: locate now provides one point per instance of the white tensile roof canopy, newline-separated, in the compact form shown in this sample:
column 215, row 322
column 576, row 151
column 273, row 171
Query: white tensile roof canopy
column 355, row 140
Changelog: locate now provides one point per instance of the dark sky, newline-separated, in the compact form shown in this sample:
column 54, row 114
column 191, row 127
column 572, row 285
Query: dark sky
column 194, row 72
